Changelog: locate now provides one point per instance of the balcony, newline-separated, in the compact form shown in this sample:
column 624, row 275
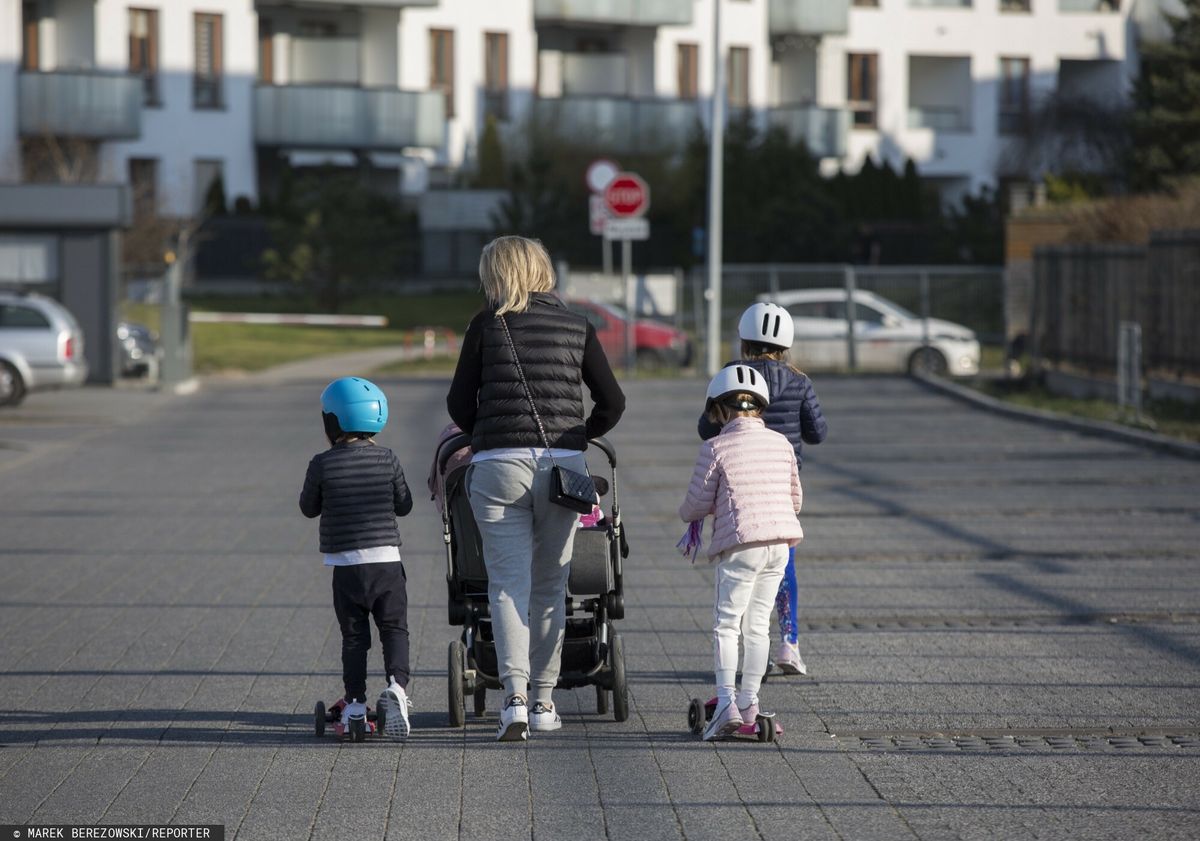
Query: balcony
column 809, row 17
column 940, row 4
column 823, row 130
column 619, row 125
column 1093, row 6
column 938, row 118
column 347, row 117
column 619, row 12
column 94, row 106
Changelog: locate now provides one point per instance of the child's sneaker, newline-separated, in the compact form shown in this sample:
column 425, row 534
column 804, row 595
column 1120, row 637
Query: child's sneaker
column 726, row 719
column 514, row 721
column 354, row 711
column 394, row 704
column 544, row 717
column 787, row 658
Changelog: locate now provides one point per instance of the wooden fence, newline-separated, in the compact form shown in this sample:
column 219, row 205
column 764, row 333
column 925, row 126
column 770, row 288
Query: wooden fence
column 1082, row 292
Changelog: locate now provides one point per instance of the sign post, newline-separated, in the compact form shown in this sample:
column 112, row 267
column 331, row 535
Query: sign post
column 627, row 198
column 599, row 173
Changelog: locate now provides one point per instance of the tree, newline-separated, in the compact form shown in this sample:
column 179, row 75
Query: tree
column 491, row 175
column 1165, row 125
column 331, row 232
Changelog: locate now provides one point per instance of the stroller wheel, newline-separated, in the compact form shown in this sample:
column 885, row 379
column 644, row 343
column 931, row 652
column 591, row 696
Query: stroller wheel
column 620, row 689
column 454, row 684
column 696, row 718
column 480, row 701
column 319, row 719
column 601, row 700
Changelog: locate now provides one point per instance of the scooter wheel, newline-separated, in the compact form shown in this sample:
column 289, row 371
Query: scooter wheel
column 358, row 730
column 766, row 729
column 319, row 719
column 696, row 718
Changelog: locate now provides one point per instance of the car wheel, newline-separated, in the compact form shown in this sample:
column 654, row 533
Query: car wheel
column 928, row 360
column 651, row 360
column 12, row 387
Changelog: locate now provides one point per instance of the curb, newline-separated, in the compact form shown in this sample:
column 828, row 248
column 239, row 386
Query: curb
column 1099, row 429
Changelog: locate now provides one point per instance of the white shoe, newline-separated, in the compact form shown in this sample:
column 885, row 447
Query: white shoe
column 543, row 717
column 394, row 704
column 514, row 721
column 354, row 711
column 788, row 660
column 726, row 719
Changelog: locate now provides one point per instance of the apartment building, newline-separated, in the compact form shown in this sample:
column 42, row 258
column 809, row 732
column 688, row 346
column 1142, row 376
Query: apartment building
column 167, row 95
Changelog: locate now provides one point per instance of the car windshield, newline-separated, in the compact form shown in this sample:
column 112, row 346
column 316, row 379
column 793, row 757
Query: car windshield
column 615, row 310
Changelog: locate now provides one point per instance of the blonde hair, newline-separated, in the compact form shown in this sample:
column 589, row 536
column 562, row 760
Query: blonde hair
column 759, row 350
column 721, row 413
column 510, row 268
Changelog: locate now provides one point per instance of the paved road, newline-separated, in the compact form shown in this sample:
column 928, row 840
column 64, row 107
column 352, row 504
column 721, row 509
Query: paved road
column 995, row 612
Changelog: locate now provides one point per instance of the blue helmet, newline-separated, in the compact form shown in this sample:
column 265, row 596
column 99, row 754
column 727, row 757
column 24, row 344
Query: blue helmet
column 359, row 405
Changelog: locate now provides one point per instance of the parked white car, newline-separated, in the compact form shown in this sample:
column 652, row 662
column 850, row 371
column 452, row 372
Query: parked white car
column 888, row 337
column 41, row 346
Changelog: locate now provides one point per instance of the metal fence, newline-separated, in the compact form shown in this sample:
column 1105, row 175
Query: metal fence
column 1082, row 292
column 972, row 296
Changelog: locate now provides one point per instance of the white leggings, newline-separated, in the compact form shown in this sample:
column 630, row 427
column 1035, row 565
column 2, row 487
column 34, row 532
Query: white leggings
column 747, row 581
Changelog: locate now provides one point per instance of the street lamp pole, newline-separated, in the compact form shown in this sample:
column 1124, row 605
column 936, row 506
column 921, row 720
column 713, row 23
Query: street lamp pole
column 716, row 162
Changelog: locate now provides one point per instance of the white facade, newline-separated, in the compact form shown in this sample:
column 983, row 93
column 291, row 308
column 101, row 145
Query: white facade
column 348, row 82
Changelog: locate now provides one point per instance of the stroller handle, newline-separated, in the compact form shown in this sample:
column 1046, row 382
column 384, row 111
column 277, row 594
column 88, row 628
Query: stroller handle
column 452, row 445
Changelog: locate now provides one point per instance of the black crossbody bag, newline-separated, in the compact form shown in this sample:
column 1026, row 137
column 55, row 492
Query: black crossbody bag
column 568, row 488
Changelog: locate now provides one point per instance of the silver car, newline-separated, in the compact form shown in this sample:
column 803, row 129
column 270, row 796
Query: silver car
column 887, row 336
column 41, row 346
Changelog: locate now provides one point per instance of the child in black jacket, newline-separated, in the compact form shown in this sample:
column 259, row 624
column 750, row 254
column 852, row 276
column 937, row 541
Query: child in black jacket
column 358, row 489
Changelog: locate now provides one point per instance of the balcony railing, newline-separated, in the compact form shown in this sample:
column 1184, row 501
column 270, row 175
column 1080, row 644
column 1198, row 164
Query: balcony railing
column 98, row 106
column 940, row 4
column 619, row 124
column 823, row 130
column 809, row 17
column 1096, row 6
column 620, row 12
column 347, row 117
column 939, row 118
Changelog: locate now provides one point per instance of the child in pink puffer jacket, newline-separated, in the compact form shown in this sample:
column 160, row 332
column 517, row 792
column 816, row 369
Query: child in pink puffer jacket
column 746, row 478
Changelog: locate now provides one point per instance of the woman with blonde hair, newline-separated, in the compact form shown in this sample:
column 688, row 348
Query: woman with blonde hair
column 518, row 392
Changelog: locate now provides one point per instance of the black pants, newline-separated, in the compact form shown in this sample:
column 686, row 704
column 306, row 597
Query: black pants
column 360, row 592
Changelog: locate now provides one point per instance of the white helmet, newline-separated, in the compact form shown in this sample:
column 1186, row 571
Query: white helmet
column 767, row 323
column 736, row 379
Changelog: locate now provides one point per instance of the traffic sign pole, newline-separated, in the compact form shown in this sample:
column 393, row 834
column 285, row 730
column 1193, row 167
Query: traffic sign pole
column 630, row 316
column 716, row 163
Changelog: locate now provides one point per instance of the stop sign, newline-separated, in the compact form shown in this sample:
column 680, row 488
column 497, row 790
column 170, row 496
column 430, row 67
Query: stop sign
column 627, row 195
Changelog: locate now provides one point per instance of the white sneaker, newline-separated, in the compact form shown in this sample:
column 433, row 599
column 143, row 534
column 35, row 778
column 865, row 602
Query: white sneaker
column 514, row 721
column 726, row 719
column 787, row 658
column 354, row 711
column 394, row 704
column 543, row 717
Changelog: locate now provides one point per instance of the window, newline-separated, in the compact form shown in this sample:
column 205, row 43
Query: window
column 868, row 314
column 495, row 74
column 594, row 318
column 206, row 82
column 1015, row 5
column 16, row 317
column 30, row 42
column 143, row 51
column 143, row 181
column 820, row 309
column 266, row 51
column 866, row 4
column 207, row 200
column 862, row 87
column 1013, row 116
column 441, row 65
column 739, row 76
column 687, row 66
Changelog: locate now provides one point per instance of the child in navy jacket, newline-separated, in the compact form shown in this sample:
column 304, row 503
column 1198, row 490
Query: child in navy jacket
column 766, row 331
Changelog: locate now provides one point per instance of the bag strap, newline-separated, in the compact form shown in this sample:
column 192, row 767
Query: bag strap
column 525, row 385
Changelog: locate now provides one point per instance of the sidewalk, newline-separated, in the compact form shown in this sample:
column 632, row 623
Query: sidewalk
column 1001, row 623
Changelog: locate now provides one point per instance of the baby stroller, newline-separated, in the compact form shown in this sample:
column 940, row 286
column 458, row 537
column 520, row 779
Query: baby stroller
column 592, row 653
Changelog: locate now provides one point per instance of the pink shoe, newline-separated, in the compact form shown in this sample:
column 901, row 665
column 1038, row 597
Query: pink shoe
column 725, row 721
column 787, row 658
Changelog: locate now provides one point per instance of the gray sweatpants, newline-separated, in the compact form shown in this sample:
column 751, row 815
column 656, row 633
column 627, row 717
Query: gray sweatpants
column 527, row 542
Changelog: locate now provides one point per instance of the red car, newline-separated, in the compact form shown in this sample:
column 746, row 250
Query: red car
column 656, row 344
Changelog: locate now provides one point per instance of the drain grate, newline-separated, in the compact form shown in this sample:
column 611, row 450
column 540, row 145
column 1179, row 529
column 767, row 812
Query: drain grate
column 1083, row 740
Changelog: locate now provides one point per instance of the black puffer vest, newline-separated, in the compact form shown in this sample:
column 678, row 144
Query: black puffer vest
column 550, row 341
